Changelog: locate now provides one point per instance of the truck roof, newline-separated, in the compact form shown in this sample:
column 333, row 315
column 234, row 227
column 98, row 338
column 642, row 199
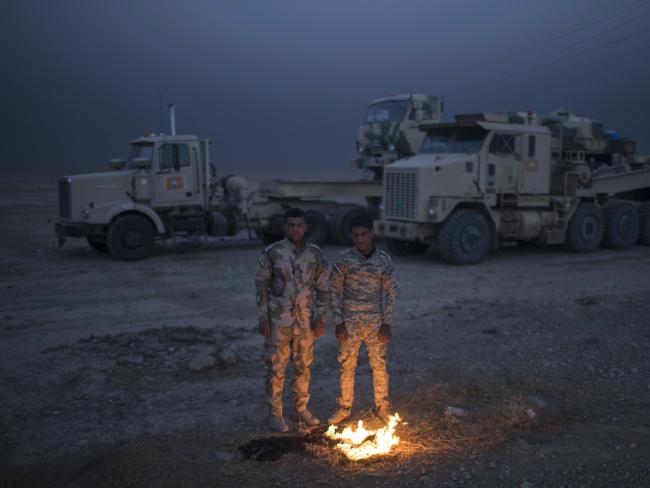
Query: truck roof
column 403, row 96
column 535, row 129
column 152, row 138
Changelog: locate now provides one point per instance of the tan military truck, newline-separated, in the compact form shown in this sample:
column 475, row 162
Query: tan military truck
column 391, row 129
column 168, row 189
column 489, row 179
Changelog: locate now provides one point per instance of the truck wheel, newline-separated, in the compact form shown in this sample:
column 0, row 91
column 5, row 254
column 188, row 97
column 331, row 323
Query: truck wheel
column 465, row 237
column 621, row 225
column 406, row 247
column 340, row 224
column 131, row 238
column 644, row 231
column 317, row 229
column 98, row 243
column 585, row 229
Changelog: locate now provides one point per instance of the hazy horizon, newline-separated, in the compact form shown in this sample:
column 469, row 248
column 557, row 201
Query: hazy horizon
column 281, row 87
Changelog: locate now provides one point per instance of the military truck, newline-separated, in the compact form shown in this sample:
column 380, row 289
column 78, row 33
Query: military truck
column 490, row 179
column 169, row 188
column 391, row 129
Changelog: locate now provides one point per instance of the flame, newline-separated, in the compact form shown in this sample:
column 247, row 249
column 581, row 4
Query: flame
column 359, row 444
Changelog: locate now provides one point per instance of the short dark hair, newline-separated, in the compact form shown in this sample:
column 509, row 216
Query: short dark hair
column 362, row 221
column 294, row 213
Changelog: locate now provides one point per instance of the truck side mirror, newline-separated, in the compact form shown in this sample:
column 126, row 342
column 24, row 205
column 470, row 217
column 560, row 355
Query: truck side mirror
column 117, row 164
column 142, row 163
column 419, row 115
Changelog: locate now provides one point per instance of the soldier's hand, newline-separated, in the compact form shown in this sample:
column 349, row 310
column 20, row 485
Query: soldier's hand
column 265, row 328
column 384, row 333
column 319, row 328
column 341, row 332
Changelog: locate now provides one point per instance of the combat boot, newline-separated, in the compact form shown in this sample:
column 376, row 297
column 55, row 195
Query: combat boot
column 306, row 417
column 339, row 416
column 277, row 423
column 384, row 413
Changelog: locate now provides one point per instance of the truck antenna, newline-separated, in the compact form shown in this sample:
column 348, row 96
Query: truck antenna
column 172, row 118
column 162, row 115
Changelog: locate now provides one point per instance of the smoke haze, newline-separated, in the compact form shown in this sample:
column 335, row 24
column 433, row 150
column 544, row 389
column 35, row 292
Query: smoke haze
column 281, row 87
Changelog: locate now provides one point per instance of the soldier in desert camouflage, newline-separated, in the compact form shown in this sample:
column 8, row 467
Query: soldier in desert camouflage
column 288, row 274
column 362, row 292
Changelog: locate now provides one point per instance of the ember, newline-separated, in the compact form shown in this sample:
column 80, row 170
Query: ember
column 363, row 443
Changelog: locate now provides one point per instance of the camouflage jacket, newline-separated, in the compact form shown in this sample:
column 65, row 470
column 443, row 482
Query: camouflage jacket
column 363, row 289
column 285, row 281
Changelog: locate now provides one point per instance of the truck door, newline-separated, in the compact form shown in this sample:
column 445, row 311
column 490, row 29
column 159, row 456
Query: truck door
column 177, row 179
column 535, row 169
column 502, row 162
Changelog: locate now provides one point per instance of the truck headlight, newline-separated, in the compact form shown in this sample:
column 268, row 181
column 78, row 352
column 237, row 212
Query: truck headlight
column 391, row 147
column 432, row 211
column 85, row 213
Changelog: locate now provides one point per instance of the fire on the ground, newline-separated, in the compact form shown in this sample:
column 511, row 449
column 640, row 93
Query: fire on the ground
column 362, row 443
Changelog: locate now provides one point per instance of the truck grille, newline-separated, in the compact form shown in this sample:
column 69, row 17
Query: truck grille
column 64, row 198
column 400, row 195
column 375, row 148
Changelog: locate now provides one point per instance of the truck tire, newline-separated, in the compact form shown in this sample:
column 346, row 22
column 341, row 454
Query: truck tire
column 340, row 224
column 131, row 238
column 98, row 243
column 585, row 230
column 465, row 237
column 317, row 228
column 621, row 225
column 398, row 247
column 644, row 230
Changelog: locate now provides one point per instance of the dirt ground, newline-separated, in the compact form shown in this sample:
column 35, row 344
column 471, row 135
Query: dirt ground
column 545, row 351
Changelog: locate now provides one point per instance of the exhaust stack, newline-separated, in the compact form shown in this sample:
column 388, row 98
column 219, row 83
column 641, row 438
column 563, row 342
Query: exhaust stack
column 172, row 118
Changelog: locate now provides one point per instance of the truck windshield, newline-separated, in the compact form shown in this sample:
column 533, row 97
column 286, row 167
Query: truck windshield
column 386, row 112
column 454, row 140
column 141, row 151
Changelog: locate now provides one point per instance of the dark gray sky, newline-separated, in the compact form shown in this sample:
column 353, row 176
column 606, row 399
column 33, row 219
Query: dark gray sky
column 281, row 86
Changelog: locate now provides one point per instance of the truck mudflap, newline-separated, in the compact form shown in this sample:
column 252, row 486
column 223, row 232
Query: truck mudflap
column 63, row 230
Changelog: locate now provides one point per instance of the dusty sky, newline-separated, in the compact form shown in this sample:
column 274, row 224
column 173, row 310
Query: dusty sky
column 281, row 86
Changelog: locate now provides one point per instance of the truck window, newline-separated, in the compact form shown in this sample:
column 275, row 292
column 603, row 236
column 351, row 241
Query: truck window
column 502, row 144
column 386, row 112
column 174, row 156
column 141, row 151
column 531, row 146
column 454, row 140
column 428, row 112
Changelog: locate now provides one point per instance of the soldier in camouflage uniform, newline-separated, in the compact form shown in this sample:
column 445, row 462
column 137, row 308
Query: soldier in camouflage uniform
column 362, row 290
column 288, row 274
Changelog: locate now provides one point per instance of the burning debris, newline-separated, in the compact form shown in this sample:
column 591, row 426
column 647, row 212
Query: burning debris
column 363, row 443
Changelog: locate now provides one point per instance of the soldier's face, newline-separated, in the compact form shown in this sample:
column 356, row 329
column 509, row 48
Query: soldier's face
column 295, row 228
column 362, row 238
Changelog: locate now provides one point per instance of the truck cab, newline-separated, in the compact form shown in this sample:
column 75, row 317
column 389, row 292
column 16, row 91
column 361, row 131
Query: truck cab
column 391, row 129
column 167, row 188
column 471, row 170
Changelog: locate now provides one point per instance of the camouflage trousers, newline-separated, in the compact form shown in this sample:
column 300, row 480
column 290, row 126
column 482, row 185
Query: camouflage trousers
column 348, row 356
column 297, row 342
